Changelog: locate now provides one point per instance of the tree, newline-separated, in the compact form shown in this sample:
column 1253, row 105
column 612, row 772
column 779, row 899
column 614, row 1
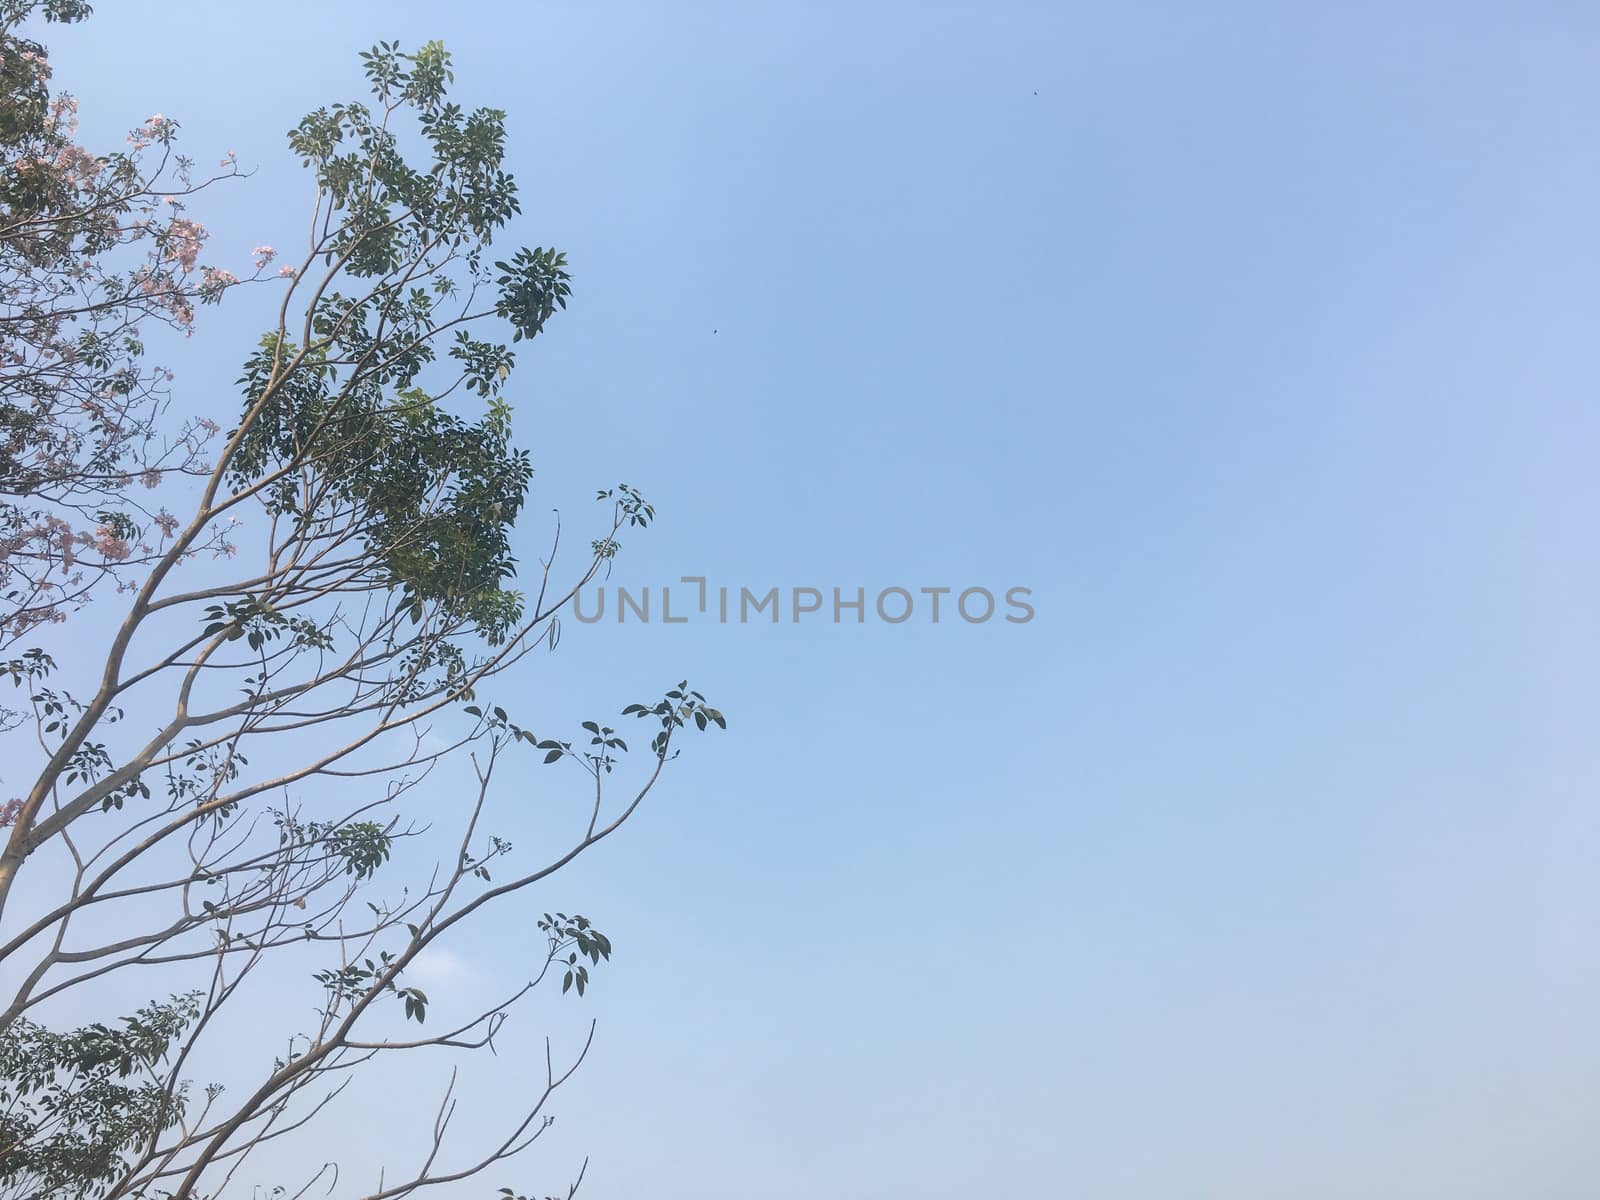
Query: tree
column 95, row 251
column 232, row 791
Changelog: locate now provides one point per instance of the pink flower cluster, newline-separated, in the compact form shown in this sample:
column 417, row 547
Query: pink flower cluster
column 65, row 541
column 64, row 114
column 185, row 237
column 156, row 129
column 40, row 63
column 161, row 291
column 110, row 545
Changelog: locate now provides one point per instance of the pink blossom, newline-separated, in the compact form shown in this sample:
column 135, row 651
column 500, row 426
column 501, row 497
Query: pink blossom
column 64, row 112
column 77, row 165
column 109, row 544
column 186, row 239
column 286, row 272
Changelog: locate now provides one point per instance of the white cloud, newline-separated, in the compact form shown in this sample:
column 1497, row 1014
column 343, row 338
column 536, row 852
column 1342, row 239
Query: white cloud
column 439, row 966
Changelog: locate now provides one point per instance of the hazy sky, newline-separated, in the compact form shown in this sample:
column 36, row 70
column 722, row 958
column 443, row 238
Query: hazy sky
column 1258, row 340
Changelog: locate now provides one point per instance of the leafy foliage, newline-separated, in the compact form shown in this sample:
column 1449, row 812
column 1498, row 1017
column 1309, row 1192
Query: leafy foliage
column 73, row 1105
column 586, row 942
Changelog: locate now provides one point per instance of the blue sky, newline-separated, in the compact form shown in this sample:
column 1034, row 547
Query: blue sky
column 1258, row 341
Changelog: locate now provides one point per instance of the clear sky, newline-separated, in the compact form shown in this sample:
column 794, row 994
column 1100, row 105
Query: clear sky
column 1258, row 340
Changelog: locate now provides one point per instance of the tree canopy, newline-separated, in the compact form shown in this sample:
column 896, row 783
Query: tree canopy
column 230, row 790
